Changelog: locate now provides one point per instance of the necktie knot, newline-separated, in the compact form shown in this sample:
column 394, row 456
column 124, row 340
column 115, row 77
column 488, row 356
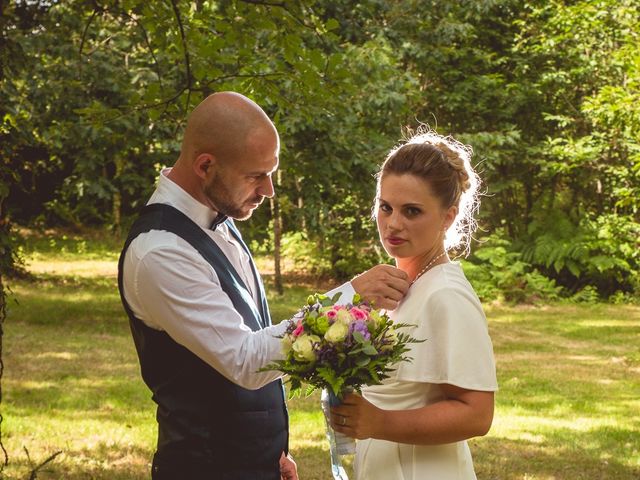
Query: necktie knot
column 220, row 218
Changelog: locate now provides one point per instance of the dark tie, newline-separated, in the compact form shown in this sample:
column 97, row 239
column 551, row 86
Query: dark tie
column 220, row 218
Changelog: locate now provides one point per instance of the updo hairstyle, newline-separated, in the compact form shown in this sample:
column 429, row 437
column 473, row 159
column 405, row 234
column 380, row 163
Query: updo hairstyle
column 444, row 163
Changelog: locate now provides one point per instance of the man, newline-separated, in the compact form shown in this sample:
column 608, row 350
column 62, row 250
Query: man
column 197, row 306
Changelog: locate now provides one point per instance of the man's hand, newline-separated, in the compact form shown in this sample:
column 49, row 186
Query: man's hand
column 382, row 285
column 288, row 468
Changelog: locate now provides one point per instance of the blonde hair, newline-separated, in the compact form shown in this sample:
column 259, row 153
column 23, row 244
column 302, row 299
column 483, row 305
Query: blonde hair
column 445, row 164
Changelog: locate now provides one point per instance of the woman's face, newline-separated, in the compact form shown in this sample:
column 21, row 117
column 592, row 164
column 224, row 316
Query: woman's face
column 411, row 221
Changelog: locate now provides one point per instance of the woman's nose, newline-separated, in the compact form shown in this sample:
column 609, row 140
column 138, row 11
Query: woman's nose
column 394, row 222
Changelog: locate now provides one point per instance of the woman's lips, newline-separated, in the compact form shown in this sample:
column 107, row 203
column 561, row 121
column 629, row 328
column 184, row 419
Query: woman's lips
column 395, row 241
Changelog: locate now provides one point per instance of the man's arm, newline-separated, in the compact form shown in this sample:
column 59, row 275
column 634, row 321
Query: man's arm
column 170, row 291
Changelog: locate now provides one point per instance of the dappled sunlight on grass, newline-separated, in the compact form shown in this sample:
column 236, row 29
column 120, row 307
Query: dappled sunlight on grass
column 68, row 294
column 102, row 460
column 56, row 355
column 78, row 268
column 30, row 385
column 567, row 406
column 567, row 376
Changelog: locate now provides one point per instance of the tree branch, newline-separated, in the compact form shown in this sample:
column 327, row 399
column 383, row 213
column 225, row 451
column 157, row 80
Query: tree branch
column 95, row 12
column 187, row 59
column 298, row 19
column 243, row 75
column 266, row 4
column 145, row 37
column 34, row 472
column 3, row 314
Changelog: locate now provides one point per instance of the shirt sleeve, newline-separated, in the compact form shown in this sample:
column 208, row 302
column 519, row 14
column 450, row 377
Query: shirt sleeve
column 346, row 293
column 183, row 297
column 457, row 349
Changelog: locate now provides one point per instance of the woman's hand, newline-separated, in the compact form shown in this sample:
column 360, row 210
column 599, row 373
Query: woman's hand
column 358, row 418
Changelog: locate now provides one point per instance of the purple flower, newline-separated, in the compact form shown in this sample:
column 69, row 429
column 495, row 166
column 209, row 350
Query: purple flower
column 360, row 326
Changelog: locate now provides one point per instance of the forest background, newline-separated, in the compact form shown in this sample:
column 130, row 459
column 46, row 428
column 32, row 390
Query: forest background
column 94, row 96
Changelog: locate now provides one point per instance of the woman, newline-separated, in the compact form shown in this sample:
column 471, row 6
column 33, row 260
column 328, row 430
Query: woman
column 415, row 425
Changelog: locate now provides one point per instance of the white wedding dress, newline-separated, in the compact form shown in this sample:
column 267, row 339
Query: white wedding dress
column 457, row 350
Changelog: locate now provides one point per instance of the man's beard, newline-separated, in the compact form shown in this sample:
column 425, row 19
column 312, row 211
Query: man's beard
column 222, row 200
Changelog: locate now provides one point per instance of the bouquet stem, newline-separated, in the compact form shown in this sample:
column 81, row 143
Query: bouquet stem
column 339, row 444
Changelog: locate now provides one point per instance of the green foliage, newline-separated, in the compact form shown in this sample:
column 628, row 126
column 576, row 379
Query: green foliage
column 622, row 298
column 604, row 250
column 587, row 295
column 498, row 272
column 94, row 96
column 303, row 253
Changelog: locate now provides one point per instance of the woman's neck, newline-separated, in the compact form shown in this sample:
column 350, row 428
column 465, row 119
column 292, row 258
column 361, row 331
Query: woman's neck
column 414, row 266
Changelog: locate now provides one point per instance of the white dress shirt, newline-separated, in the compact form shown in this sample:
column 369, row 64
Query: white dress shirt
column 171, row 287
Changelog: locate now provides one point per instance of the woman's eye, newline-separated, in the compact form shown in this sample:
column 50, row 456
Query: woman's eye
column 412, row 211
column 385, row 208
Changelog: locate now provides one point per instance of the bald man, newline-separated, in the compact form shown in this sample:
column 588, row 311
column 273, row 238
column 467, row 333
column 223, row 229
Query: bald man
column 197, row 306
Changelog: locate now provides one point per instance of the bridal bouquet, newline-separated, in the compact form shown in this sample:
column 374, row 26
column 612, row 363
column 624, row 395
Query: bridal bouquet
column 340, row 347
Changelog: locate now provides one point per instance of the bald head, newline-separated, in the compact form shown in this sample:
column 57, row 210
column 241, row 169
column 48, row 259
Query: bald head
column 229, row 153
column 222, row 125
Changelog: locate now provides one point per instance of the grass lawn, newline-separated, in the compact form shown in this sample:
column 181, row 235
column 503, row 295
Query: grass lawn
column 568, row 405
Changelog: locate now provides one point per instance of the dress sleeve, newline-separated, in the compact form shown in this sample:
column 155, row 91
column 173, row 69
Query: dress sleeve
column 457, row 349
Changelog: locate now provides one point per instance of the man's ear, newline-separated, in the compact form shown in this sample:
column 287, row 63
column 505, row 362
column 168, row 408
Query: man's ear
column 203, row 164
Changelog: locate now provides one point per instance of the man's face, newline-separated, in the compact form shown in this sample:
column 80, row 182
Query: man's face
column 236, row 187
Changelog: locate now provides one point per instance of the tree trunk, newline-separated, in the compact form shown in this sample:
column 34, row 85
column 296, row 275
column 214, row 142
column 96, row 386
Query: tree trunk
column 116, row 198
column 7, row 264
column 301, row 207
column 277, row 239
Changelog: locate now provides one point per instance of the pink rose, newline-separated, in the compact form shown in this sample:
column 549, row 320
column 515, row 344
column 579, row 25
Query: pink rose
column 299, row 329
column 358, row 314
column 331, row 314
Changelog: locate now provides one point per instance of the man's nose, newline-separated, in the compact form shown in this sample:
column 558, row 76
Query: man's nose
column 266, row 188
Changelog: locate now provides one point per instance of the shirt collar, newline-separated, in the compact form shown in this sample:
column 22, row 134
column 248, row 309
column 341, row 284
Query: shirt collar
column 172, row 194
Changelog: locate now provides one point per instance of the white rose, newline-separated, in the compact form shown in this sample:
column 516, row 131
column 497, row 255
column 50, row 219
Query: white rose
column 343, row 317
column 337, row 332
column 376, row 317
column 303, row 347
column 286, row 344
column 391, row 338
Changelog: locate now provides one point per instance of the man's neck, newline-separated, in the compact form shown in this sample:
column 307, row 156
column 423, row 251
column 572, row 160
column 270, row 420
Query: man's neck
column 190, row 185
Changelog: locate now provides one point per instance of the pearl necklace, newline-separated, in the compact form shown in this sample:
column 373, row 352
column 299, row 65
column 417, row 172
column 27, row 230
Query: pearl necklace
column 433, row 260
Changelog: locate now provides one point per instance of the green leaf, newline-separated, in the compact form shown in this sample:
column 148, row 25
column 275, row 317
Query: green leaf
column 363, row 361
column 331, row 24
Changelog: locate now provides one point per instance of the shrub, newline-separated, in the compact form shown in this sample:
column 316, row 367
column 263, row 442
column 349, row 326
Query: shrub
column 588, row 294
column 498, row 273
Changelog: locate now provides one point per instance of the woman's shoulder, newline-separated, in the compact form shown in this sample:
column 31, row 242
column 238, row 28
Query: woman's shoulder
column 442, row 280
column 444, row 289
